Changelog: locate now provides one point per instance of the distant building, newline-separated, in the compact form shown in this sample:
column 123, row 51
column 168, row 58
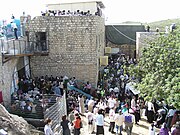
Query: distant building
column 75, row 44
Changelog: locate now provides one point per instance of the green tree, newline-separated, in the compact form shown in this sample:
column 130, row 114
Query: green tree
column 159, row 69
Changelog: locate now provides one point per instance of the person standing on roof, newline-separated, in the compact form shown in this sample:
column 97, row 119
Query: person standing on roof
column 148, row 28
column 14, row 26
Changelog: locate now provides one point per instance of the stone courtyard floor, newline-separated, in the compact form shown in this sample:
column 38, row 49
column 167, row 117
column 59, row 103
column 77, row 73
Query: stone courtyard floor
column 141, row 129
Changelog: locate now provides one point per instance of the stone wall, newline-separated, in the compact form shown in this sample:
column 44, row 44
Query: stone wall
column 128, row 50
column 75, row 44
column 143, row 39
column 6, row 77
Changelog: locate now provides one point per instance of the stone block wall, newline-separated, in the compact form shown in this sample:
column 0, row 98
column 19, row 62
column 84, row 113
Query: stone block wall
column 126, row 49
column 143, row 39
column 75, row 45
column 6, row 78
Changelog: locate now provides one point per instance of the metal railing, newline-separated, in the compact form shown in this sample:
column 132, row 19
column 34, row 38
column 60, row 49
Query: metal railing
column 48, row 100
column 38, row 46
column 79, row 91
column 56, row 111
column 23, row 47
column 53, row 107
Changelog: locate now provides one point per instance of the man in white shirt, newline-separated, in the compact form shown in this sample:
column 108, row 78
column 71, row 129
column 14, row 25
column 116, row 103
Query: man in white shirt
column 133, row 107
column 81, row 104
column 95, row 110
column 14, row 26
column 133, row 103
column 90, row 117
column 119, row 119
column 100, row 122
column 101, row 104
column 111, row 102
column 170, row 115
column 150, row 112
column 90, row 105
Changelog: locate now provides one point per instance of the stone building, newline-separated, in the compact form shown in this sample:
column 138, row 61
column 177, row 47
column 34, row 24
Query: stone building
column 6, row 72
column 12, row 66
column 74, row 5
column 75, row 44
column 53, row 45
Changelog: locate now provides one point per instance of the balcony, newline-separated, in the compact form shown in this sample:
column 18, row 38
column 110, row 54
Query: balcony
column 22, row 47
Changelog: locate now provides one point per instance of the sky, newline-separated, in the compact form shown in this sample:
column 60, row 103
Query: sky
column 116, row 11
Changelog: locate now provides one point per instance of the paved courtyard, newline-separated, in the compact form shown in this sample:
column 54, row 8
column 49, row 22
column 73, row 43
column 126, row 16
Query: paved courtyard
column 141, row 129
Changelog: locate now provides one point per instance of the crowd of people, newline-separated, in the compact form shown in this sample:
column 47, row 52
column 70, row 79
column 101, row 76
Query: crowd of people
column 112, row 100
column 31, row 93
column 120, row 105
column 168, row 29
column 69, row 13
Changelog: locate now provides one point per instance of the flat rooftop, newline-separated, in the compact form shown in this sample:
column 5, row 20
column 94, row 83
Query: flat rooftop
column 100, row 3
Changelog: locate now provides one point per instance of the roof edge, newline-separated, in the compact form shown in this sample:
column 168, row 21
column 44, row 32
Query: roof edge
column 98, row 2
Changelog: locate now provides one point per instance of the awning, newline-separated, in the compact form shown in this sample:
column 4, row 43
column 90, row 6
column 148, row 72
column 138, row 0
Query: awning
column 123, row 34
column 130, row 87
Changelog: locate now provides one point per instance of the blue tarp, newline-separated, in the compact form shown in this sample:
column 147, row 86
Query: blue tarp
column 80, row 91
column 8, row 31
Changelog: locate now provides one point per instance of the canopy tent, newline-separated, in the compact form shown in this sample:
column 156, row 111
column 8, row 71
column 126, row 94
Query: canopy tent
column 123, row 34
column 130, row 87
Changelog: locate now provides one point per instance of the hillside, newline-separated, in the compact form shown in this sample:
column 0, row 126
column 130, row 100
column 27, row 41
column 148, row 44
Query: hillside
column 158, row 24
column 161, row 24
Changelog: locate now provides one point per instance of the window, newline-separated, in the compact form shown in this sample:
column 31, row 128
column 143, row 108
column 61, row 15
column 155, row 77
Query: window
column 41, row 44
